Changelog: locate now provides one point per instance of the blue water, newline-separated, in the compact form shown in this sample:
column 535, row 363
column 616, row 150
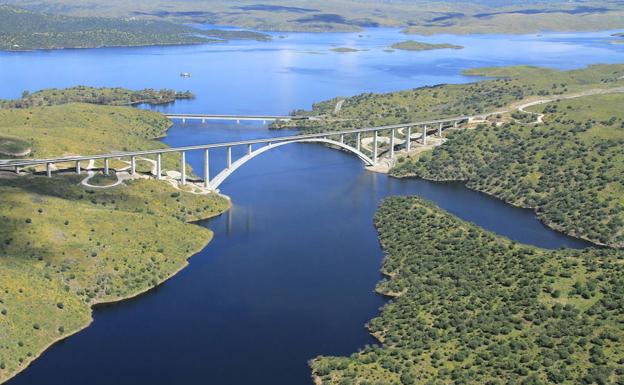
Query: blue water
column 291, row 271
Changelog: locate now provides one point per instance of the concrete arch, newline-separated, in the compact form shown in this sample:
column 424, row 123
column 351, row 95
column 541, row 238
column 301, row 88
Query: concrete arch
column 223, row 175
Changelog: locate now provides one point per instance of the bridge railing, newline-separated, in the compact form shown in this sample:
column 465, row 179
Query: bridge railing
column 427, row 126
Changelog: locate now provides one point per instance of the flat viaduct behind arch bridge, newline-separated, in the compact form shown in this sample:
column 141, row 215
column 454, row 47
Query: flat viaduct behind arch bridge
column 401, row 136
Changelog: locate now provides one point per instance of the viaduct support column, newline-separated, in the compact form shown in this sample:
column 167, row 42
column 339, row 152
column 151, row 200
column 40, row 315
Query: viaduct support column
column 424, row 135
column 408, row 139
column 249, row 149
column 49, row 170
column 440, row 130
column 358, row 139
column 375, row 147
column 78, row 167
column 206, row 169
column 342, row 138
column 183, row 168
column 158, row 166
column 391, row 144
column 229, row 156
column 17, row 170
column 106, row 169
column 133, row 165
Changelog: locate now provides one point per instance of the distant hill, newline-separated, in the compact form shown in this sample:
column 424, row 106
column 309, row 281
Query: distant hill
column 418, row 16
column 22, row 29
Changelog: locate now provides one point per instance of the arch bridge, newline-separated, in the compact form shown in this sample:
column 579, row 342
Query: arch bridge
column 400, row 137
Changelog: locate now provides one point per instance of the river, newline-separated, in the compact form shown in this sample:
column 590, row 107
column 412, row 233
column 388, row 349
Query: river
column 291, row 271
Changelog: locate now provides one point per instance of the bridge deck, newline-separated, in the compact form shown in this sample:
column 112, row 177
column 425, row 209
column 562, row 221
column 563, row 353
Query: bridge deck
column 231, row 117
column 127, row 154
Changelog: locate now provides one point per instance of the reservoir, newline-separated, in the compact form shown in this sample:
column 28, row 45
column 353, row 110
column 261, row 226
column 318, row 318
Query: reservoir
column 292, row 268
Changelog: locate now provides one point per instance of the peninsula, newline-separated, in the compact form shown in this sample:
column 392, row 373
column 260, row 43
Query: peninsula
column 472, row 307
column 65, row 247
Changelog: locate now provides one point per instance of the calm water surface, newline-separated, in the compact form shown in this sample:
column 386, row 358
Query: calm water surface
column 291, row 271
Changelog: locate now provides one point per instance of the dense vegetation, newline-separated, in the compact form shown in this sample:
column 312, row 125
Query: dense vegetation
column 450, row 100
column 411, row 45
column 64, row 248
column 470, row 307
column 13, row 147
column 421, row 16
column 570, row 169
column 83, row 94
column 26, row 30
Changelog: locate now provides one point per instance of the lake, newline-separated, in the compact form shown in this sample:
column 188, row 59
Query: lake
column 291, row 271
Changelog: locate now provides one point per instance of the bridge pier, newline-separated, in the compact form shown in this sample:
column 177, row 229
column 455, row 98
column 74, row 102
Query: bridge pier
column 183, row 168
column 229, row 156
column 78, row 167
column 358, row 139
column 391, row 143
column 440, row 130
column 455, row 124
column 133, row 165
column 49, row 170
column 249, row 149
column 408, row 139
column 203, row 121
column 206, row 169
column 106, row 168
column 375, row 139
column 17, row 170
column 183, row 120
column 158, row 166
column 424, row 136
column 342, row 138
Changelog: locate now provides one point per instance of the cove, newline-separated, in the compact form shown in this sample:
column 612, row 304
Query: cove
column 291, row 271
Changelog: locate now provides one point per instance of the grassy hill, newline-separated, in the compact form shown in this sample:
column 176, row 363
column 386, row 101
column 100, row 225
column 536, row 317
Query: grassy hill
column 470, row 307
column 21, row 29
column 64, row 248
column 569, row 169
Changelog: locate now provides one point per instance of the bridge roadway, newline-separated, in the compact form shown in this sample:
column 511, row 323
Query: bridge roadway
column 238, row 118
column 267, row 144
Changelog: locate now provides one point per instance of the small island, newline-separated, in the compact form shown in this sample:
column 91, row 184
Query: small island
column 345, row 49
column 411, row 45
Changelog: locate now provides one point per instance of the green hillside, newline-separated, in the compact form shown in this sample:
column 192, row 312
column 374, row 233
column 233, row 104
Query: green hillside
column 470, row 307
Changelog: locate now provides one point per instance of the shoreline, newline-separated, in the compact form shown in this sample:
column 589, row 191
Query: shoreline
column 111, row 301
column 129, row 297
column 534, row 210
